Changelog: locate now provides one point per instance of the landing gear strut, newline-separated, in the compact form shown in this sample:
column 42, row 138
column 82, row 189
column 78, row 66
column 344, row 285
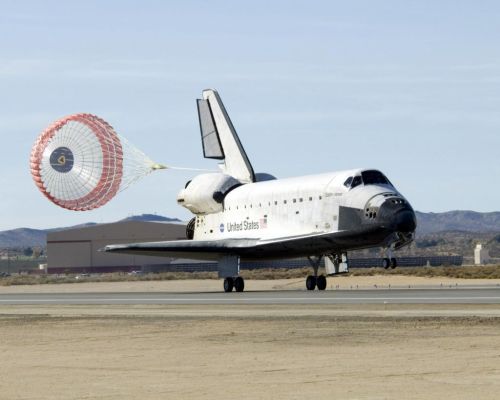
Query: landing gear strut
column 237, row 283
column 314, row 281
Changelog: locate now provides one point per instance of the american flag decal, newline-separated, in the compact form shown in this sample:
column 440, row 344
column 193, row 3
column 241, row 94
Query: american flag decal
column 263, row 222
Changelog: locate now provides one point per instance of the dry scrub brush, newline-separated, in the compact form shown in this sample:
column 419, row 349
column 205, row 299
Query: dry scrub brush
column 465, row 272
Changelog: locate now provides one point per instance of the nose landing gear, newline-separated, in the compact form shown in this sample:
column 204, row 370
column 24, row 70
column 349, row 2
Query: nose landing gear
column 389, row 261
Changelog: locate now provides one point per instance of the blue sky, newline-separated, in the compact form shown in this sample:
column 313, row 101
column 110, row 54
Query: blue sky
column 411, row 88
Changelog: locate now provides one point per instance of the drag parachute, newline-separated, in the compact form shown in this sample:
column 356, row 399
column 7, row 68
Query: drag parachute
column 80, row 162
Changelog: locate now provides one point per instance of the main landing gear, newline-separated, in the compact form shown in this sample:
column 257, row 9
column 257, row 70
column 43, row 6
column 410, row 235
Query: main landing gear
column 237, row 283
column 335, row 264
column 315, row 281
column 228, row 268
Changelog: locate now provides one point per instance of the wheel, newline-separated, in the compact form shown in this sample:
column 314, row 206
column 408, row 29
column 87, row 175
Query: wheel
column 228, row 284
column 386, row 263
column 239, row 284
column 321, row 282
column 394, row 263
column 310, row 282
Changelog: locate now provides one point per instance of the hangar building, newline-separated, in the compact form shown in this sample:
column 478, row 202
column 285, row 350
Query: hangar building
column 76, row 250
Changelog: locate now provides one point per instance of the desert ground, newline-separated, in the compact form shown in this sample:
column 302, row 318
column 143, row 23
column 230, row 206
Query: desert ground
column 248, row 352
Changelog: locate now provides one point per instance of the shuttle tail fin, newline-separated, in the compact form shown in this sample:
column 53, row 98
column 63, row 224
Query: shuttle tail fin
column 219, row 138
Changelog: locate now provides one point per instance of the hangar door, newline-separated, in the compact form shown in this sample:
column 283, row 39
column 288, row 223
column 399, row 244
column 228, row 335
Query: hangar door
column 66, row 254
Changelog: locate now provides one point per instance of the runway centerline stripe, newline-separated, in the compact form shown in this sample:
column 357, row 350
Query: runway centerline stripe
column 248, row 300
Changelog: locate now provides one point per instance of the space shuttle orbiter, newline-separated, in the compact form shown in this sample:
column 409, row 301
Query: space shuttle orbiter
column 242, row 215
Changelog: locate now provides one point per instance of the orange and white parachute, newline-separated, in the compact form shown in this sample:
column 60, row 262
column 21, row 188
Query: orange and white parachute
column 80, row 162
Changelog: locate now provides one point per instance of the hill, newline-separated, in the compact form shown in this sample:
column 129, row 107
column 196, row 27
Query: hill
column 151, row 218
column 27, row 237
column 468, row 221
column 23, row 237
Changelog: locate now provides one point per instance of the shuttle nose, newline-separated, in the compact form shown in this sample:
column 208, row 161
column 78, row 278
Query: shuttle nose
column 405, row 221
column 398, row 215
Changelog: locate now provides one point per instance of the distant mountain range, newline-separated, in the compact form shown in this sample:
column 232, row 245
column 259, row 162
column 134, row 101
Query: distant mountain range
column 27, row 237
column 23, row 237
column 468, row 221
column 428, row 223
column 151, row 218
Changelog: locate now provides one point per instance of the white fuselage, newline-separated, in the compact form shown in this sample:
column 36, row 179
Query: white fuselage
column 288, row 207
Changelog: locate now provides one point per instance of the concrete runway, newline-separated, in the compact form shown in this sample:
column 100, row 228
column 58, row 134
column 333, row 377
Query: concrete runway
column 472, row 295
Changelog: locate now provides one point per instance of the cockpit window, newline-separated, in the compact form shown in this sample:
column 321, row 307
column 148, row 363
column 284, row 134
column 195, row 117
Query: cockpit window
column 356, row 181
column 348, row 182
column 373, row 177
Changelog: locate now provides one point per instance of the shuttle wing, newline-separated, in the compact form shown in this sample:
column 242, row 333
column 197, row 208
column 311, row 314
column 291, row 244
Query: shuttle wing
column 295, row 246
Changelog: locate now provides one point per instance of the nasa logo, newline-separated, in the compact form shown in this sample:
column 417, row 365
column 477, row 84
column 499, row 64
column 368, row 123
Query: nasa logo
column 221, row 227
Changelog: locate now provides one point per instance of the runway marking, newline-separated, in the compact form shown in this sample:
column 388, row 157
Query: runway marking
column 248, row 300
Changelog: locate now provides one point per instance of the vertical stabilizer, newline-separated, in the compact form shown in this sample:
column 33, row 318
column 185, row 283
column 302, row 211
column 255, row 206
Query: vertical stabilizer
column 219, row 138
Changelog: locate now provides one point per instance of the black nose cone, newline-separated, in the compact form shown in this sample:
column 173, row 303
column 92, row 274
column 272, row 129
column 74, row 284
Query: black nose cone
column 405, row 221
column 398, row 215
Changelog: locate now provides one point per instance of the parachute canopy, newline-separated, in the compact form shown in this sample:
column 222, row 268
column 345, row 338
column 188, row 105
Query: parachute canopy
column 80, row 162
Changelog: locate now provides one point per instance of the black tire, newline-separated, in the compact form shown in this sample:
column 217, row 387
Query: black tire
column 228, row 284
column 386, row 263
column 310, row 282
column 394, row 263
column 321, row 282
column 239, row 284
